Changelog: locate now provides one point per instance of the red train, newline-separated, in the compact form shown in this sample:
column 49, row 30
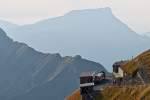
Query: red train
column 99, row 77
column 89, row 79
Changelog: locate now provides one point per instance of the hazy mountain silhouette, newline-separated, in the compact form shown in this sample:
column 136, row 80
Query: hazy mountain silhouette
column 147, row 34
column 23, row 69
column 94, row 33
column 5, row 25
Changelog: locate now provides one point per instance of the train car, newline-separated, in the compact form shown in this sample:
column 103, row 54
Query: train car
column 86, row 82
column 89, row 79
column 99, row 77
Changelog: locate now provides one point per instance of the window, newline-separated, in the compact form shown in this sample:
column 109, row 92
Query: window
column 88, row 79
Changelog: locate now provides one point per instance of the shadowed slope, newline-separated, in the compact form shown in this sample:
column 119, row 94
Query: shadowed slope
column 23, row 69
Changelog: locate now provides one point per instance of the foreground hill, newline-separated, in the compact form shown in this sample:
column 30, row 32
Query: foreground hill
column 141, row 61
column 24, row 70
column 75, row 96
column 94, row 33
column 125, row 93
column 139, row 64
column 140, row 92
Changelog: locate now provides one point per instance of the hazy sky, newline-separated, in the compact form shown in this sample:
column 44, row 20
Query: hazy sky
column 135, row 13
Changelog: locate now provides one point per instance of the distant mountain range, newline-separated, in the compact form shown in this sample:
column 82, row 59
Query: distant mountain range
column 147, row 34
column 5, row 25
column 94, row 33
column 26, row 74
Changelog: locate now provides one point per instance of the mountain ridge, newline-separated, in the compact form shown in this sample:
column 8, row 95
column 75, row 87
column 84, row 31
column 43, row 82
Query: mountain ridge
column 7, row 25
column 95, row 34
column 146, row 34
column 22, row 69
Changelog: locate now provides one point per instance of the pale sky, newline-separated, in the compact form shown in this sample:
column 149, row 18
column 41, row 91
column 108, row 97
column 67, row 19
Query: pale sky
column 135, row 13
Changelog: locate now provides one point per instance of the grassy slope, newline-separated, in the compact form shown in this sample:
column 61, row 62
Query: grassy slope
column 125, row 93
column 141, row 60
column 119, row 93
column 74, row 96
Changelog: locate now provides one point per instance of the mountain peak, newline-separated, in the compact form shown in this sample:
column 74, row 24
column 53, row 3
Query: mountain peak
column 106, row 10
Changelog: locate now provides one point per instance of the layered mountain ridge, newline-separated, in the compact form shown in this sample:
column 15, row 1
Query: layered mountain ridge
column 5, row 25
column 95, row 34
column 22, row 69
column 146, row 34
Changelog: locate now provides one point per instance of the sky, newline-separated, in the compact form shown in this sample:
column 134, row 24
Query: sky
column 134, row 13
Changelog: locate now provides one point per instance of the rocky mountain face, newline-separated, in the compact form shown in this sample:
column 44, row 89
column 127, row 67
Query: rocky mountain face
column 25, row 71
column 94, row 33
column 66, row 81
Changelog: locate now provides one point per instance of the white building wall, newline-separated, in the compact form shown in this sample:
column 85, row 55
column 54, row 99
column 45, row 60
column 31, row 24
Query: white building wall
column 120, row 71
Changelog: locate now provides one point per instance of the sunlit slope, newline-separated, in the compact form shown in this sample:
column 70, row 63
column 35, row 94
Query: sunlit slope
column 142, row 60
column 134, row 92
column 125, row 93
column 75, row 96
column 140, row 92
